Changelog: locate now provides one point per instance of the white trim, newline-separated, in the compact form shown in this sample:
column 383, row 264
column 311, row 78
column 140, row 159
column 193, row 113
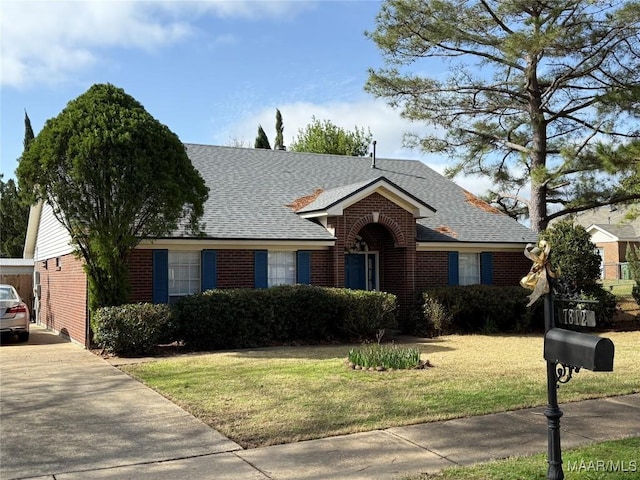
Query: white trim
column 602, row 233
column 33, row 224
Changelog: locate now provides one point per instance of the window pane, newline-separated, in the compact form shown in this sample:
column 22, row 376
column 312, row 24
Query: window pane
column 468, row 268
column 282, row 268
column 184, row 273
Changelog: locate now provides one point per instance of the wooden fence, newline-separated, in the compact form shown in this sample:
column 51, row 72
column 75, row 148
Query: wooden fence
column 23, row 283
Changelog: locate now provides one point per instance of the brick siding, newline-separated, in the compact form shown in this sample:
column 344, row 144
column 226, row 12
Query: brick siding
column 63, row 299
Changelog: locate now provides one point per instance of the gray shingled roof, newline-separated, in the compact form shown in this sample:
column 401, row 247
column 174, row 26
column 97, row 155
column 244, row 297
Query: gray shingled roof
column 249, row 190
column 623, row 232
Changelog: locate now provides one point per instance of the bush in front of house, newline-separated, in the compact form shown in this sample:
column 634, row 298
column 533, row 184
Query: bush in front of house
column 241, row 318
column 478, row 309
column 133, row 329
column 363, row 313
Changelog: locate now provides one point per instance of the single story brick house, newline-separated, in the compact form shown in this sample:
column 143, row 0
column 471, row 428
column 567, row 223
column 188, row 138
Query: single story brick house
column 278, row 217
column 612, row 242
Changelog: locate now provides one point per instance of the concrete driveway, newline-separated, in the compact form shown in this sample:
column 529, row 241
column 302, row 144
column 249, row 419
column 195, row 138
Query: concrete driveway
column 65, row 412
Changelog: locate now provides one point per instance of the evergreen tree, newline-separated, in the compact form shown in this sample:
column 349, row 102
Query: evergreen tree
column 532, row 89
column 279, row 142
column 28, row 132
column 14, row 215
column 105, row 165
column 261, row 140
column 14, row 212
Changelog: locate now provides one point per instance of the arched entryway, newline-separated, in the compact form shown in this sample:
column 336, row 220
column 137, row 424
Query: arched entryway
column 372, row 259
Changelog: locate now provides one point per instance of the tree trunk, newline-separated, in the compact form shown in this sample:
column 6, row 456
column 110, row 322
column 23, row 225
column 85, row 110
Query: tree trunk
column 538, row 152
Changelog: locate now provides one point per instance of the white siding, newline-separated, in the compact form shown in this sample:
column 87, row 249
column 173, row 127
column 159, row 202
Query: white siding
column 601, row 237
column 53, row 240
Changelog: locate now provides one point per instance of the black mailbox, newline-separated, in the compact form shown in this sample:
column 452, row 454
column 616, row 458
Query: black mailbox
column 579, row 350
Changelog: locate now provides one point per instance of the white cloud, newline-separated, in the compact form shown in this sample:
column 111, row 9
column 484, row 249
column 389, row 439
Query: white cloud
column 51, row 41
column 47, row 42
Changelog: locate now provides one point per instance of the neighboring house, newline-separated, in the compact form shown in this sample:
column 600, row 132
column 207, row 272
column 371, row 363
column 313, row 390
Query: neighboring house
column 612, row 231
column 277, row 217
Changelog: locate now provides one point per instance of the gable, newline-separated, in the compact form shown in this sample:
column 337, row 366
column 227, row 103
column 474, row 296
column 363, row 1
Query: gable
column 333, row 202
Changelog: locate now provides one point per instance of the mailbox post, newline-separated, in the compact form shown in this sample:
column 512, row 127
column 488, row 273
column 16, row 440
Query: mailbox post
column 565, row 351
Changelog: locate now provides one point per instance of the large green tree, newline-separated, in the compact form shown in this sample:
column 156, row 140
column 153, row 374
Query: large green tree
column 114, row 176
column 524, row 93
column 14, row 212
column 325, row 137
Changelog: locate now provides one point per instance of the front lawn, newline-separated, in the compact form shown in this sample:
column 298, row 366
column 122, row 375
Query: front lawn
column 613, row 460
column 285, row 394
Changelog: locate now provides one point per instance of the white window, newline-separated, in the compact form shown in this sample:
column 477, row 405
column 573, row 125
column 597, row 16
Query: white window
column 184, row 274
column 468, row 268
column 282, row 268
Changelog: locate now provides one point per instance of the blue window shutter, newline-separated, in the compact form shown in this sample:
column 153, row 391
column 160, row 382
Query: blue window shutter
column 160, row 269
column 209, row 269
column 453, row 268
column 261, row 265
column 303, row 267
column 486, row 268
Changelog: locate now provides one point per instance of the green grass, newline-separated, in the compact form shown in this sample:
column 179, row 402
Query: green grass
column 384, row 356
column 595, row 461
column 620, row 288
column 285, row 394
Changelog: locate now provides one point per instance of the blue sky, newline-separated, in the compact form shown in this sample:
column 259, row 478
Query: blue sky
column 211, row 71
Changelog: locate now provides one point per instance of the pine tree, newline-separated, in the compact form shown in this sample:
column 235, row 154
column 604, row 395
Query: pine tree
column 530, row 90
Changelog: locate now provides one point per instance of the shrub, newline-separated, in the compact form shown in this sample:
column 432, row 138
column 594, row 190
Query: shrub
column 480, row 309
column 363, row 313
column 633, row 259
column 240, row 318
column 133, row 329
column 635, row 293
column 573, row 254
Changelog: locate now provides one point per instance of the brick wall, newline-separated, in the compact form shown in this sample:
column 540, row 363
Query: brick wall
column 141, row 275
column 236, row 268
column 322, row 268
column 63, row 299
column 509, row 268
column 431, row 269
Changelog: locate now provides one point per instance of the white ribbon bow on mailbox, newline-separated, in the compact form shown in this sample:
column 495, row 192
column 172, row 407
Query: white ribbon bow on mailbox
column 536, row 279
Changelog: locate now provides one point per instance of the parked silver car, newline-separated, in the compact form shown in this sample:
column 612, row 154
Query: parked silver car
column 14, row 314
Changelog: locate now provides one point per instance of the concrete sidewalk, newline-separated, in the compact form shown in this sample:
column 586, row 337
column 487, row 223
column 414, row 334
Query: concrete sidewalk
column 66, row 414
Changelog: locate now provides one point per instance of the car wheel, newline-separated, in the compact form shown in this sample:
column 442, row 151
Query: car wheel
column 23, row 336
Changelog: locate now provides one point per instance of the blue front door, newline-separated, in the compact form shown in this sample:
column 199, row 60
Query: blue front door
column 355, row 271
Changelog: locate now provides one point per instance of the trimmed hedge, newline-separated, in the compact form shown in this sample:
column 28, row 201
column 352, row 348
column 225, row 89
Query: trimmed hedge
column 241, row 318
column 478, row 309
column 131, row 330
